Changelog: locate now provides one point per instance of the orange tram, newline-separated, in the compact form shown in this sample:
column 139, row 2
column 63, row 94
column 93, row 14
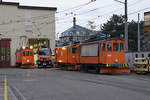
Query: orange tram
column 24, row 57
column 107, row 56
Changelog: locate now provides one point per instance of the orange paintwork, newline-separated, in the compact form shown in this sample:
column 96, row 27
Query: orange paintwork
column 114, row 70
column 65, row 56
column 73, row 57
column 24, row 58
column 110, row 57
column 61, row 55
column 46, row 56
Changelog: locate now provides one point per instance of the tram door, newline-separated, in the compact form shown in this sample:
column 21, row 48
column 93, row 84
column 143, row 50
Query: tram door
column 5, row 53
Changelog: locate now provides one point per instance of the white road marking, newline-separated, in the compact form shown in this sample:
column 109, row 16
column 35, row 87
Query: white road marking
column 20, row 93
column 12, row 94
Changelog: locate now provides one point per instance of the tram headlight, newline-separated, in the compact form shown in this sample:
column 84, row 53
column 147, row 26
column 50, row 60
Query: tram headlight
column 31, row 47
column 64, row 48
column 60, row 61
column 116, row 60
column 23, row 47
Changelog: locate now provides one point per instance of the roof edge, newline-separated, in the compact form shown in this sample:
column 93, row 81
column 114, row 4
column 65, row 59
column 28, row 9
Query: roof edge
column 147, row 13
column 28, row 7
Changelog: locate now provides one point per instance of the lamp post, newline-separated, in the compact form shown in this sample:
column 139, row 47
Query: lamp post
column 126, row 24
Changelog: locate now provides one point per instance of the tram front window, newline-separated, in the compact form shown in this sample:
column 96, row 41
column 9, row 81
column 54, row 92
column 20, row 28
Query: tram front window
column 115, row 47
column 44, row 52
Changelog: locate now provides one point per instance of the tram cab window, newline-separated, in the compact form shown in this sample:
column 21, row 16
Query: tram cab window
column 28, row 53
column 121, row 47
column 31, row 54
column 103, row 47
column 115, row 47
column 24, row 53
column 109, row 47
column 74, row 50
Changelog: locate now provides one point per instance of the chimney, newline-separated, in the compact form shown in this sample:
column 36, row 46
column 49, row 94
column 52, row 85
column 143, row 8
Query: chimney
column 74, row 22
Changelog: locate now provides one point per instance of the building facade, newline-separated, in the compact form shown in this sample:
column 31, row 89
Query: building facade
column 24, row 25
column 146, row 35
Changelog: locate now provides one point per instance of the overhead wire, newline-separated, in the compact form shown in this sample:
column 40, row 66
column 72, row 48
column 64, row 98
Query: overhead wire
column 116, row 10
column 100, row 15
column 46, row 16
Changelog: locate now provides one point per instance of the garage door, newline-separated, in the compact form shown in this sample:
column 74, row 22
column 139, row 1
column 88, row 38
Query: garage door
column 4, row 52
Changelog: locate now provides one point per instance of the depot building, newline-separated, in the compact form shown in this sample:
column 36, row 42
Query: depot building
column 24, row 25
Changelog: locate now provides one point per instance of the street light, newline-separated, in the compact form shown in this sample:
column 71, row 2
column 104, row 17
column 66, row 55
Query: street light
column 126, row 24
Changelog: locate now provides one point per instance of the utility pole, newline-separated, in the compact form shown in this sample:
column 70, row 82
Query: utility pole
column 138, row 32
column 126, row 26
column 126, row 23
column 74, row 28
column 57, row 36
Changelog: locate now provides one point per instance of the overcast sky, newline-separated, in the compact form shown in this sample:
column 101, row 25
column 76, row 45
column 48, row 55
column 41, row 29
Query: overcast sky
column 99, row 11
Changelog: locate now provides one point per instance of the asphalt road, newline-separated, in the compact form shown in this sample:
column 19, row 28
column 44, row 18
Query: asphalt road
column 55, row 84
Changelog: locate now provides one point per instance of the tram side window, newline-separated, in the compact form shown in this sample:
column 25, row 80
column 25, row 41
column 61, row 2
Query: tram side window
column 74, row 50
column 121, row 47
column 100, row 47
column 69, row 50
column 115, row 47
column 103, row 47
column 109, row 47
column 77, row 50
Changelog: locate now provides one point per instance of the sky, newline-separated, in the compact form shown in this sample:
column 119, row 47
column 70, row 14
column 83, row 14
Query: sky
column 99, row 11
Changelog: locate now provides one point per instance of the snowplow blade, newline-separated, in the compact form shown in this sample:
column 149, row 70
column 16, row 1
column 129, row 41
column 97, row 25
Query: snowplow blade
column 114, row 70
column 27, row 66
column 73, row 68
